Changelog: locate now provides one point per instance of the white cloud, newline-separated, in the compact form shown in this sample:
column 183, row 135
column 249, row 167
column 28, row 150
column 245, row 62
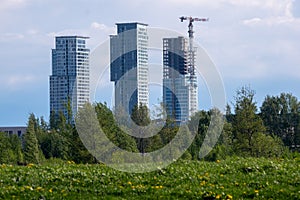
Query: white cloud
column 283, row 14
column 275, row 5
column 11, row 4
column 96, row 25
column 192, row 2
column 97, row 32
column 32, row 32
column 11, row 36
column 252, row 21
column 270, row 21
column 17, row 81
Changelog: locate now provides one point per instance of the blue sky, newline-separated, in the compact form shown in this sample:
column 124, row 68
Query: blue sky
column 252, row 43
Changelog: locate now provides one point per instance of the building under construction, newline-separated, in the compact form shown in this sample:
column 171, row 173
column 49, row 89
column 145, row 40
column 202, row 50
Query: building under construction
column 180, row 93
column 180, row 90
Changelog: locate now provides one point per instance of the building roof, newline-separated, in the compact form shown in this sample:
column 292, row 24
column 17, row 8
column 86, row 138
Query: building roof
column 125, row 23
column 73, row 36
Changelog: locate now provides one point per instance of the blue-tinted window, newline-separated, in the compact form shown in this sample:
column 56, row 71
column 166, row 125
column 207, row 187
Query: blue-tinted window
column 81, row 41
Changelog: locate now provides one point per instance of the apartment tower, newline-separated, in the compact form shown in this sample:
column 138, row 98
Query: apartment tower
column 69, row 82
column 129, row 65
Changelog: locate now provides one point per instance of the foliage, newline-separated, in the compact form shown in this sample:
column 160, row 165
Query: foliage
column 10, row 149
column 112, row 130
column 141, row 117
column 246, row 124
column 245, row 133
column 198, row 124
column 281, row 115
column 32, row 153
column 249, row 132
column 233, row 178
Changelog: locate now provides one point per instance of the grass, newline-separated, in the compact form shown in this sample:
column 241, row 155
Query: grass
column 234, row 178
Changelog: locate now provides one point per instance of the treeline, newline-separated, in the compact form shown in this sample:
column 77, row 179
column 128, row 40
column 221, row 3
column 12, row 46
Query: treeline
column 272, row 130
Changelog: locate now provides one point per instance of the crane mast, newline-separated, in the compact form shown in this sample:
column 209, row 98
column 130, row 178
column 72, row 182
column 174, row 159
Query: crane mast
column 193, row 91
column 191, row 38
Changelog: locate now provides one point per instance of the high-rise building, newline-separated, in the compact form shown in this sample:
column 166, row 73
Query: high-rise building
column 129, row 65
column 179, row 79
column 70, row 80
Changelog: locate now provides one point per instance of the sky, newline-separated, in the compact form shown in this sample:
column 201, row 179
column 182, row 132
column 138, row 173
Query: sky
column 252, row 43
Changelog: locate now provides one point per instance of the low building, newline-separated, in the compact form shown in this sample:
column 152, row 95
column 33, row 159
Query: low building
column 18, row 130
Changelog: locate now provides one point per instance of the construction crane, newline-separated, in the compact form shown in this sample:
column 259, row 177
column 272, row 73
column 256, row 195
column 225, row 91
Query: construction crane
column 191, row 66
column 191, row 37
column 191, row 20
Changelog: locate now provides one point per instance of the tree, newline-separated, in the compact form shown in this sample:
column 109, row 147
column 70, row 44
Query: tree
column 112, row 129
column 140, row 116
column 53, row 122
column 54, row 145
column 246, row 124
column 281, row 115
column 16, row 147
column 198, row 125
column 267, row 146
column 6, row 154
column 32, row 153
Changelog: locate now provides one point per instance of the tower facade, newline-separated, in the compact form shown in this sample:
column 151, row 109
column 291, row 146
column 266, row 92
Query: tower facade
column 179, row 81
column 69, row 82
column 129, row 65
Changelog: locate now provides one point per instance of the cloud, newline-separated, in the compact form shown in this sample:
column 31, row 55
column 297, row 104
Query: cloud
column 98, row 26
column 6, row 5
column 11, row 36
column 98, row 33
column 275, row 5
column 252, row 21
column 32, row 32
column 271, row 21
column 284, row 14
column 17, row 81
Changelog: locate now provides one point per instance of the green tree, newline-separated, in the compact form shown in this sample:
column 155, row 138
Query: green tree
column 281, row 115
column 246, row 124
column 16, row 147
column 198, row 125
column 112, row 129
column 54, row 145
column 140, row 116
column 6, row 153
column 32, row 153
column 267, row 146
column 53, row 122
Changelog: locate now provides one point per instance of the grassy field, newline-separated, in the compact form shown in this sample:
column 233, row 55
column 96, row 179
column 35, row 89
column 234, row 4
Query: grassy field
column 234, row 178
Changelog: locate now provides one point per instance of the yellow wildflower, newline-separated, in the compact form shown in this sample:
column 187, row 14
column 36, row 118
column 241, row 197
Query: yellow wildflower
column 39, row 188
column 229, row 196
column 28, row 187
column 50, row 190
column 202, row 183
column 218, row 196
